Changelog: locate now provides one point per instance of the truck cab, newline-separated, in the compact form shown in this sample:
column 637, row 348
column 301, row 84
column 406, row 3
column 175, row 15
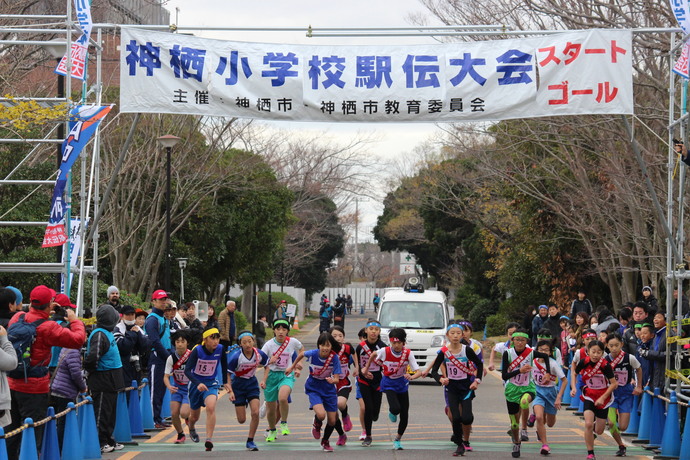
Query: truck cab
column 424, row 314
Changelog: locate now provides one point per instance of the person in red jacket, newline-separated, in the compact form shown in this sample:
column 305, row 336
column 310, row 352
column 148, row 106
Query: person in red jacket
column 30, row 395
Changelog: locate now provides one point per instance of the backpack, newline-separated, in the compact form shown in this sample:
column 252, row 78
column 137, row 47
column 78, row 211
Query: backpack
column 22, row 335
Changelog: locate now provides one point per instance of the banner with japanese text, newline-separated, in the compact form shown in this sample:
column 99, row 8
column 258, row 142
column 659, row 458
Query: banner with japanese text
column 681, row 10
column 74, row 252
column 573, row 73
column 84, row 120
column 79, row 47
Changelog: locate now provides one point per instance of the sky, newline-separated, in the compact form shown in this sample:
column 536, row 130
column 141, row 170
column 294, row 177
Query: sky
column 391, row 138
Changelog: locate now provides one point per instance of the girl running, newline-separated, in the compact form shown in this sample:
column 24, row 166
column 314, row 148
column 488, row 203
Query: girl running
column 346, row 356
column 627, row 370
column 394, row 360
column 370, row 381
column 501, row 347
column 320, row 387
column 202, row 372
column 597, row 393
column 179, row 395
column 277, row 382
column 547, row 402
column 361, row 335
column 460, row 367
column 242, row 366
column 520, row 390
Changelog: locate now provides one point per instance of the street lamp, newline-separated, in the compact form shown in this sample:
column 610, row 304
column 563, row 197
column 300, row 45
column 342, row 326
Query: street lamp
column 168, row 142
column 183, row 264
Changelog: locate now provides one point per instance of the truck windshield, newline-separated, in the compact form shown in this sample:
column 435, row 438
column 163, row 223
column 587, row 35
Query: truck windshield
column 417, row 315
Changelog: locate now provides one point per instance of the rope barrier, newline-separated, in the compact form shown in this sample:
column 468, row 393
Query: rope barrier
column 665, row 399
column 16, row 431
column 140, row 387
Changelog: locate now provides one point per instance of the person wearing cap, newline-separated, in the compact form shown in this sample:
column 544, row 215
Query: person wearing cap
column 158, row 331
column 132, row 344
column 140, row 319
column 30, row 394
column 226, row 324
column 114, row 298
column 105, row 377
column 651, row 301
column 580, row 304
column 538, row 322
column 60, row 306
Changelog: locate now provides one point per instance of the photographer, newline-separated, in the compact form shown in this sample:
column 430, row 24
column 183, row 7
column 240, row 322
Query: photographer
column 132, row 345
column 681, row 150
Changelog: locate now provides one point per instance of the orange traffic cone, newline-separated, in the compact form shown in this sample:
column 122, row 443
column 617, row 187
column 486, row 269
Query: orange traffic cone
column 295, row 326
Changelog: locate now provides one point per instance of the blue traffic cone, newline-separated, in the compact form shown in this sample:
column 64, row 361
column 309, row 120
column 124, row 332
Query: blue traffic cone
column 136, row 425
column 50, row 449
column 567, row 399
column 28, row 446
column 685, row 445
column 580, row 407
column 122, row 432
column 645, row 419
column 145, row 404
column 634, row 424
column 658, row 421
column 3, row 445
column 165, row 408
column 670, row 443
column 91, row 447
column 71, row 443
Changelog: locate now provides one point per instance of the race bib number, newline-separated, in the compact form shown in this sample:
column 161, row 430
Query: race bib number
column 180, row 376
column 597, row 382
column 539, row 377
column 521, row 380
column 454, row 373
column 282, row 361
column 622, row 377
column 206, row 367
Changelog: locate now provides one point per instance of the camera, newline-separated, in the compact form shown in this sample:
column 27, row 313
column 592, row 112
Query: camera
column 677, row 141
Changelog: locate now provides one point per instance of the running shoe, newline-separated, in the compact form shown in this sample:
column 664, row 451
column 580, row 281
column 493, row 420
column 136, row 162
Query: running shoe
column 180, row 438
column 460, row 451
column 466, row 445
column 284, row 428
column 208, row 445
column 342, row 439
column 530, row 421
column 622, row 451
column 591, row 457
column 363, row 435
column 392, row 417
column 366, row 442
column 545, row 449
column 271, row 436
column 516, row 450
column 347, row 423
column 193, row 435
column 252, row 446
column 326, row 446
column 106, row 448
column 523, row 436
column 397, row 445
column 268, row 430
column 118, row 446
column 262, row 410
column 316, row 429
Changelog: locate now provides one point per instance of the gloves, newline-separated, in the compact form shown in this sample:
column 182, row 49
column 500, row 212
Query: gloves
column 643, row 352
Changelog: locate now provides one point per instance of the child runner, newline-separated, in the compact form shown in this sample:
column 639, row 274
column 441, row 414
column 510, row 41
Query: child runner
column 242, row 366
column 320, row 387
column 516, row 371
column 179, row 395
column 587, row 336
column 547, row 402
column 627, row 370
column 394, row 360
column 346, row 356
column 370, row 381
column 361, row 335
column 278, row 383
column 202, row 372
column 544, row 335
column 597, row 393
column 501, row 347
column 460, row 366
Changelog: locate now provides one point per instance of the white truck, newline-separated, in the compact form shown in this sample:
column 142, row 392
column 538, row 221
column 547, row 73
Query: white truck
column 424, row 314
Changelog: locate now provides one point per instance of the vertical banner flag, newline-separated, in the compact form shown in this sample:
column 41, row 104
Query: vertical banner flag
column 74, row 251
column 83, row 124
column 681, row 10
column 81, row 46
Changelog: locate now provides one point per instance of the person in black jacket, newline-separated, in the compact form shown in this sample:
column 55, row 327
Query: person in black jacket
column 553, row 324
column 104, row 366
column 580, row 304
column 339, row 312
column 132, row 345
column 651, row 301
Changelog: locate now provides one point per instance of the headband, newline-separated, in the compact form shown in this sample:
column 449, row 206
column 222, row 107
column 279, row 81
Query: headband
column 589, row 334
column 210, row 332
column 280, row 322
column 465, row 323
column 373, row 323
column 245, row 334
column 395, row 339
column 565, row 317
column 450, row 326
column 544, row 337
column 520, row 334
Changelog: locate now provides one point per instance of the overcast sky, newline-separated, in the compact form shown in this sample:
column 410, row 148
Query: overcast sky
column 392, row 139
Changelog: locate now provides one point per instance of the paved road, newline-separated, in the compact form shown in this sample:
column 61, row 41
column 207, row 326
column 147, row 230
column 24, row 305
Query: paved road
column 427, row 436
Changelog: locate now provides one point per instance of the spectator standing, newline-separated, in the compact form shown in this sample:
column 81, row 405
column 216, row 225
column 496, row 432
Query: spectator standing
column 649, row 300
column 348, row 304
column 281, row 311
column 68, row 381
column 376, row 301
column 606, row 319
column 639, row 317
column 158, row 331
column 325, row 313
column 30, row 394
column 103, row 363
column 260, row 331
column 657, row 352
column 114, row 298
column 212, row 320
column 581, row 304
column 8, row 362
column 685, row 306
column 553, row 324
column 140, row 318
column 339, row 312
column 132, row 345
column 538, row 322
column 196, row 329
column 226, row 324
column 8, row 302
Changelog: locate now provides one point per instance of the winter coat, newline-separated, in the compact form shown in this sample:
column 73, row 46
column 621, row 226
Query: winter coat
column 69, row 379
column 657, row 359
column 553, row 324
column 105, row 380
column 8, row 362
column 652, row 305
column 131, row 344
column 580, row 305
column 603, row 325
column 537, row 323
column 226, row 325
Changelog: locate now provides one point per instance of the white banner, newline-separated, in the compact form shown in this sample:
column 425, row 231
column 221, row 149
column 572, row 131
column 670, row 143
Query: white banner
column 81, row 46
column 588, row 72
column 681, row 10
column 74, row 251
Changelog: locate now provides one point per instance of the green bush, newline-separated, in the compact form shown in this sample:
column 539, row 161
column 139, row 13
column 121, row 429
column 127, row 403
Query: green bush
column 241, row 322
column 465, row 300
column 483, row 309
column 496, row 324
